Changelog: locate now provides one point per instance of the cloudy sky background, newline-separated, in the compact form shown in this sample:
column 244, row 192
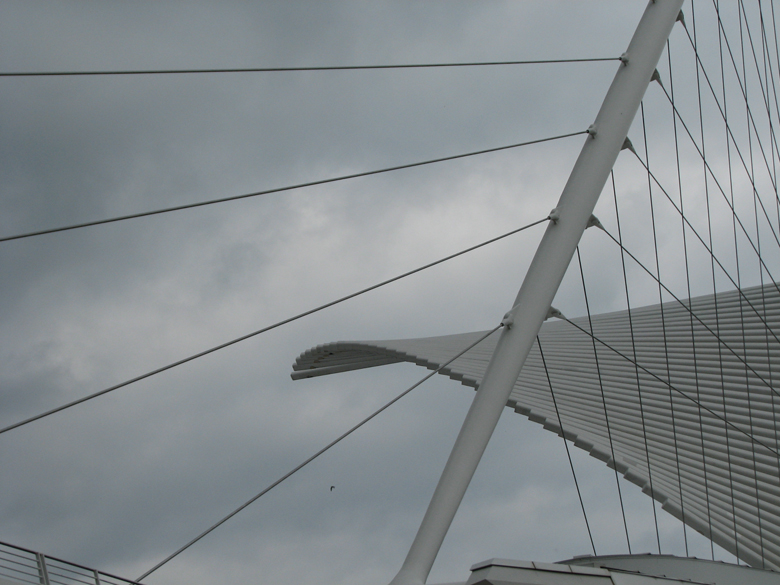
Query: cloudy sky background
column 124, row 480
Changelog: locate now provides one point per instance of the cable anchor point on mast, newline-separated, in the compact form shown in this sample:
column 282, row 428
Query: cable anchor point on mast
column 656, row 77
column 555, row 215
column 624, row 58
column 594, row 222
column 628, row 145
column 554, row 313
column 508, row 320
column 592, row 130
column 681, row 18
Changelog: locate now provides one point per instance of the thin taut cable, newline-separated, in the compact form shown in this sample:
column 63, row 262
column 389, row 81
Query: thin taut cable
column 287, row 188
column 751, row 120
column 717, row 183
column 695, row 401
column 770, row 75
column 281, row 69
column 720, row 354
column 633, row 349
column 263, row 330
column 317, row 454
column 663, row 328
column 703, row 324
column 709, row 251
column 714, row 282
column 688, row 282
column 565, row 444
column 741, row 12
column 764, row 84
column 733, row 138
column 603, row 400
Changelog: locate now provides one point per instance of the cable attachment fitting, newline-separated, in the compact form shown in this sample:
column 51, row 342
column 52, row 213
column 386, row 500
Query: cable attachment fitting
column 508, row 320
column 624, row 58
column 627, row 145
column 555, row 215
column 656, row 77
column 592, row 130
column 681, row 18
column 554, row 313
column 594, row 222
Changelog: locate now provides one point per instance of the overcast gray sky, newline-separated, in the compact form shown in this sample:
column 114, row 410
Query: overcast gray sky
column 122, row 481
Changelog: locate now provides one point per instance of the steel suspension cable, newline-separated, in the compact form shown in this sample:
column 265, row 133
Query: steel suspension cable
column 743, row 86
column 565, row 444
column 287, row 188
column 738, row 264
column 751, row 120
column 720, row 188
column 265, row 329
column 721, row 35
column 731, row 135
column 714, row 284
column 292, row 69
column 770, row 75
column 741, row 12
column 777, row 63
column 709, row 251
column 715, row 179
column 695, row 401
column 317, row 454
column 735, row 220
column 687, row 271
column 764, row 84
column 633, row 349
column 663, row 329
column 777, row 45
column 682, row 303
column 761, row 82
column 750, row 142
column 603, row 400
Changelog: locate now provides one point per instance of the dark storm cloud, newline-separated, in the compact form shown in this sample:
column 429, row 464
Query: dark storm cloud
column 122, row 481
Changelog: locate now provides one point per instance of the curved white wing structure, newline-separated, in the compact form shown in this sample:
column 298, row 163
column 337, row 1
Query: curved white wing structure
column 699, row 410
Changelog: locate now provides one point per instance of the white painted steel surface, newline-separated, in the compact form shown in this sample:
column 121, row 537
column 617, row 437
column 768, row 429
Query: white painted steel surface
column 541, row 282
column 618, row 570
column 738, row 499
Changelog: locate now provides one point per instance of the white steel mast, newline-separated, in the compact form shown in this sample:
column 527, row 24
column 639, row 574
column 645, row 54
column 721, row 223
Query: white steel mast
column 556, row 249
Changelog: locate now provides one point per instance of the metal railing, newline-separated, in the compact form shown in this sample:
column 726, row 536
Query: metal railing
column 23, row 566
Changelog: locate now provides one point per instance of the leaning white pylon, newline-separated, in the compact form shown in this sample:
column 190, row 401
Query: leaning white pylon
column 541, row 282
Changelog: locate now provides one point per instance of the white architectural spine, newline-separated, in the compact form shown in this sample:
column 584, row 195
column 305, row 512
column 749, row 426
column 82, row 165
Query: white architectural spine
column 547, row 269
